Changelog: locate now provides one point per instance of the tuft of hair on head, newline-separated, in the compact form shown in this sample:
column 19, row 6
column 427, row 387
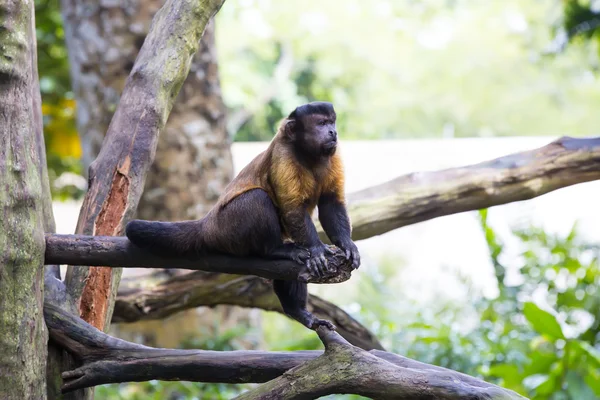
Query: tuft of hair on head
column 315, row 107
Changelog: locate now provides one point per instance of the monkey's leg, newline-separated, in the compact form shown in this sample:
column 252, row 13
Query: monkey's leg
column 293, row 296
column 255, row 229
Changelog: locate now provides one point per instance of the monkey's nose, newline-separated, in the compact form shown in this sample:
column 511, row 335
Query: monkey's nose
column 333, row 134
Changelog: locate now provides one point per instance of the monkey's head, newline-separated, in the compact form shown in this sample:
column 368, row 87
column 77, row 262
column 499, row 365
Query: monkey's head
column 311, row 127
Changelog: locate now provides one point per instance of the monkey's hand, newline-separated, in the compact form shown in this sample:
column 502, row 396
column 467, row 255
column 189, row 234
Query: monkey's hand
column 317, row 264
column 351, row 252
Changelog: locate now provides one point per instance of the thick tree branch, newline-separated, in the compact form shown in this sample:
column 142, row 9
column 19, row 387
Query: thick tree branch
column 344, row 368
column 421, row 196
column 117, row 176
column 110, row 360
column 118, row 251
column 157, row 296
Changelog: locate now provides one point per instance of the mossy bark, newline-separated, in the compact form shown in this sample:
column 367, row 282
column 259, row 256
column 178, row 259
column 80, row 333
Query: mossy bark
column 23, row 334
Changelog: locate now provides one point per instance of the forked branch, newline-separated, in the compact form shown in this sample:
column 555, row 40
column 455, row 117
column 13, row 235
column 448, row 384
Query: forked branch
column 343, row 368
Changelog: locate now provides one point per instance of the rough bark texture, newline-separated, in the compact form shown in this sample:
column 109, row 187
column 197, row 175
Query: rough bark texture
column 23, row 334
column 343, row 368
column 120, row 252
column 347, row 369
column 116, row 177
column 103, row 39
column 421, row 196
column 193, row 164
column 57, row 358
column 156, row 296
column 193, row 161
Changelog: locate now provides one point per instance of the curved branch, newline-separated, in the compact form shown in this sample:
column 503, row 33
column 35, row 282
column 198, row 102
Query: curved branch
column 348, row 369
column 421, row 196
column 118, row 251
column 157, row 296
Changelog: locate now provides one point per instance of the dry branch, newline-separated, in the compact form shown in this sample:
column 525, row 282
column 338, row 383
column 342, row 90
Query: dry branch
column 421, row 196
column 343, row 367
column 156, row 297
column 117, row 176
column 118, row 251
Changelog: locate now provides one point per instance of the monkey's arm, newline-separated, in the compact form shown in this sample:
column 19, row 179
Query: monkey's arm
column 336, row 223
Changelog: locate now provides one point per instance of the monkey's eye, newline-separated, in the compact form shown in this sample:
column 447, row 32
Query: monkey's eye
column 323, row 122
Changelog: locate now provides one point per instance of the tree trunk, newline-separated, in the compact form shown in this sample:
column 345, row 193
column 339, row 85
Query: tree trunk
column 23, row 334
column 193, row 161
column 193, row 164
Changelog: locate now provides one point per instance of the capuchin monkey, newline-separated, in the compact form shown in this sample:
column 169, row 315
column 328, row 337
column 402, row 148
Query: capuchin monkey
column 269, row 204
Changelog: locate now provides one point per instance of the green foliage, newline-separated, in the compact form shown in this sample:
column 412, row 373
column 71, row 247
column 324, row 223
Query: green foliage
column 581, row 19
column 540, row 336
column 407, row 69
column 58, row 107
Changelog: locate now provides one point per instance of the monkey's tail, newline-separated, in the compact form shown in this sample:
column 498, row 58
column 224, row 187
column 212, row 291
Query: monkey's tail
column 166, row 238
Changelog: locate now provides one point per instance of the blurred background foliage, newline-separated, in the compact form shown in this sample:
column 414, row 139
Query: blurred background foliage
column 430, row 68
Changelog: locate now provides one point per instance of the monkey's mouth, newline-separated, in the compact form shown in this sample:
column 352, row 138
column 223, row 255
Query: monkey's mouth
column 329, row 147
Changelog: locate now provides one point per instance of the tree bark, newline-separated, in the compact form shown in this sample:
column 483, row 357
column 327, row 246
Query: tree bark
column 23, row 334
column 117, row 176
column 193, row 164
column 156, row 296
column 421, row 196
column 193, row 161
column 343, row 368
column 346, row 369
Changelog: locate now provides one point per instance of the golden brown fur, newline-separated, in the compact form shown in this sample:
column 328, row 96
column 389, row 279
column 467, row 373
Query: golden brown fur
column 288, row 183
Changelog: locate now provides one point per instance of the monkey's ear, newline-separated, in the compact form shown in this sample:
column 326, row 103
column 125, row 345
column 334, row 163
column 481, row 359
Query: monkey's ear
column 290, row 129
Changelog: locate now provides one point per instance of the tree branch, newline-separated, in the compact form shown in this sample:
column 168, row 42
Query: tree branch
column 421, row 196
column 117, row 176
column 118, row 251
column 344, row 368
column 110, row 360
column 157, row 296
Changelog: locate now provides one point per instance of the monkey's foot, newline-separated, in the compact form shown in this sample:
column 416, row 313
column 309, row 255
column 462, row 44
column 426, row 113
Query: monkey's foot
column 321, row 322
column 290, row 251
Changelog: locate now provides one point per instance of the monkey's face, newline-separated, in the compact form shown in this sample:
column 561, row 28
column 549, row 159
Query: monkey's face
column 319, row 134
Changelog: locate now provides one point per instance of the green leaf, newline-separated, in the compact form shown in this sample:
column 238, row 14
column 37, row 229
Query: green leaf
column 549, row 386
column 540, row 362
column 577, row 388
column 542, row 321
column 593, row 381
column 587, row 349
